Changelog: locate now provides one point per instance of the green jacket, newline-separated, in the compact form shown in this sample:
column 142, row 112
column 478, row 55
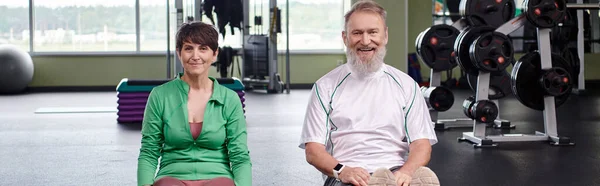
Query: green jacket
column 219, row 151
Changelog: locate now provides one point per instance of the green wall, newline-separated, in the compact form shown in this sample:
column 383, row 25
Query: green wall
column 305, row 68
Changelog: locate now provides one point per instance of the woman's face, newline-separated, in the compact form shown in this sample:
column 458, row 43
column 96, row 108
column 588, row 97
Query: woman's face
column 196, row 59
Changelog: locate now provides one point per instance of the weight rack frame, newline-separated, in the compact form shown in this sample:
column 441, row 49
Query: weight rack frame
column 479, row 137
column 444, row 124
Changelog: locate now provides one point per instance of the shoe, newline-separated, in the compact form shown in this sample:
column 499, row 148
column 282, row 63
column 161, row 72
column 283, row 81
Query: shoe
column 424, row 177
column 382, row 177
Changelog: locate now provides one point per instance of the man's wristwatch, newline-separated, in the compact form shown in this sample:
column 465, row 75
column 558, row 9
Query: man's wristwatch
column 337, row 170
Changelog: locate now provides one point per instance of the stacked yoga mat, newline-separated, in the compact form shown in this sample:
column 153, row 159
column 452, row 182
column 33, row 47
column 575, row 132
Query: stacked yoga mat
column 132, row 96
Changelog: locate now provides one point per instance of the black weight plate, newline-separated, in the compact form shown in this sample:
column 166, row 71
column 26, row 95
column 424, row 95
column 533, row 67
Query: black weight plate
column 572, row 57
column 525, row 79
column 564, row 33
column 556, row 81
column 499, row 85
column 484, row 111
column 439, row 98
column 492, row 13
column 462, row 45
column 435, row 47
column 544, row 13
column 492, row 52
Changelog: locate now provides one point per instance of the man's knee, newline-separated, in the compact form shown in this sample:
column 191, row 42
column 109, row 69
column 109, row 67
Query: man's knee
column 168, row 181
column 424, row 176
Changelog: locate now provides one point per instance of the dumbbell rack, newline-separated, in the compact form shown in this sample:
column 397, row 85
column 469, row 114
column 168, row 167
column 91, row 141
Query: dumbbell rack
column 479, row 137
column 435, row 80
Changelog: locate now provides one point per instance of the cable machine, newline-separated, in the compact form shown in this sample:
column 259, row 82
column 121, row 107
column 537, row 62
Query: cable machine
column 259, row 50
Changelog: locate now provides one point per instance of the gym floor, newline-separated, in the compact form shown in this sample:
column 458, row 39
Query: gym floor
column 92, row 149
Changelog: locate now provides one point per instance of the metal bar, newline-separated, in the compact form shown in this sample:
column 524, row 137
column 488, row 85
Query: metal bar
column 517, row 137
column 198, row 10
column 460, row 24
column 512, row 25
column 471, row 137
column 287, row 45
column 168, row 40
column 137, row 26
column 180, row 20
column 433, row 114
column 483, row 84
column 436, row 79
column 272, row 45
column 543, row 35
column 580, row 49
column 31, row 26
column 583, row 6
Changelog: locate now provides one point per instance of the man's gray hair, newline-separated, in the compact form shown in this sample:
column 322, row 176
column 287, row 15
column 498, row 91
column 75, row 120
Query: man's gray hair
column 365, row 6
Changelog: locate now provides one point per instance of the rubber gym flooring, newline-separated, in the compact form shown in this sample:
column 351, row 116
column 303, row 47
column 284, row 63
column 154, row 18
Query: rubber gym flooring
column 92, row 149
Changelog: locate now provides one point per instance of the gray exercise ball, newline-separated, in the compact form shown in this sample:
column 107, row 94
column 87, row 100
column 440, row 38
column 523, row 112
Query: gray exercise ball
column 16, row 69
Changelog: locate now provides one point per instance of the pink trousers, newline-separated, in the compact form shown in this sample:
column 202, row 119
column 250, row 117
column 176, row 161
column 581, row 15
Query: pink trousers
column 170, row 181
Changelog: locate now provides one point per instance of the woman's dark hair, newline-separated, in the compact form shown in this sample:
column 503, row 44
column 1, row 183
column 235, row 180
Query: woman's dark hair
column 199, row 33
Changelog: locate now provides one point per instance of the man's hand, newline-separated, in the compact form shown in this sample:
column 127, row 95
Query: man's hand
column 403, row 178
column 420, row 153
column 355, row 175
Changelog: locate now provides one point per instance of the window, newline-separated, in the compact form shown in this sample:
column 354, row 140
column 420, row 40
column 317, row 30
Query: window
column 153, row 25
column 91, row 25
column 314, row 24
column 14, row 23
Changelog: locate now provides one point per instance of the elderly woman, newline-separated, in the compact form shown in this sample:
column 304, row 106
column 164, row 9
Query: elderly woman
column 193, row 124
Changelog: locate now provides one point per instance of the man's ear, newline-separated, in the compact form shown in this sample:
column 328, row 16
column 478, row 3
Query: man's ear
column 385, row 40
column 344, row 34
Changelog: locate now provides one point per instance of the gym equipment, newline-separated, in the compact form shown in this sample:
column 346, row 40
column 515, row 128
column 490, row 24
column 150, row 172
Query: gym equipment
column 500, row 86
column 487, row 13
column 483, row 111
column 434, row 47
column 463, row 44
column 544, row 13
column 260, row 54
column 16, row 69
column 491, row 52
column 438, row 98
column 434, row 50
column 531, row 82
column 545, row 75
column 132, row 96
column 580, row 7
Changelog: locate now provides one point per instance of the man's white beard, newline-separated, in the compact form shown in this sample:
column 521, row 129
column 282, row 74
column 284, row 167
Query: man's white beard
column 366, row 67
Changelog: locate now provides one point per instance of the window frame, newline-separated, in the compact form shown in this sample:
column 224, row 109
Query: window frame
column 138, row 51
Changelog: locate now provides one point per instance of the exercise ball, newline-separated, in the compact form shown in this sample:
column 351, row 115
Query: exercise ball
column 16, row 69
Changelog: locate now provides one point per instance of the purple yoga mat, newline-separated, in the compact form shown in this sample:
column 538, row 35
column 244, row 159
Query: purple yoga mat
column 128, row 95
column 240, row 93
column 130, row 113
column 136, row 107
column 130, row 119
column 134, row 101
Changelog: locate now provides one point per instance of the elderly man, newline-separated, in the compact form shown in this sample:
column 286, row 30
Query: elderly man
column 364, row 117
